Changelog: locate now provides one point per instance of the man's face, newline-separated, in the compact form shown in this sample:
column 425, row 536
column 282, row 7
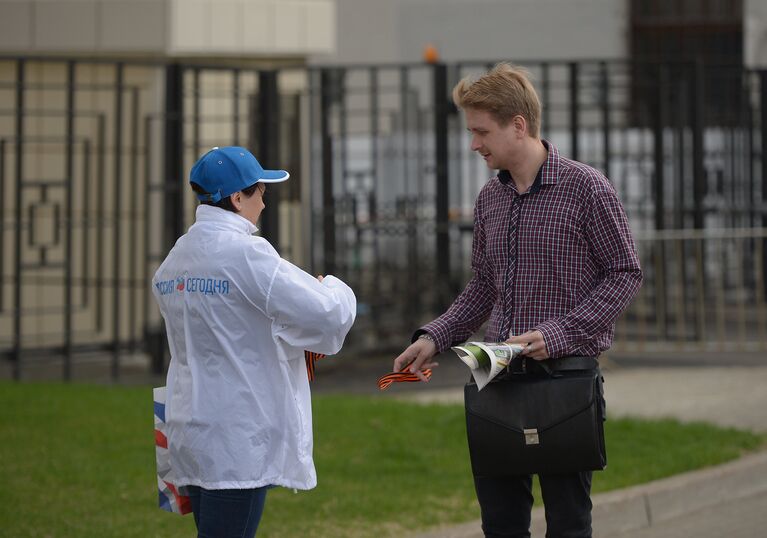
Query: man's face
column 250, row 207
column 496, row 144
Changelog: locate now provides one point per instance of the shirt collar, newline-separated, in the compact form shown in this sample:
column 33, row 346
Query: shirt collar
column 547, row 173
column 223, row 219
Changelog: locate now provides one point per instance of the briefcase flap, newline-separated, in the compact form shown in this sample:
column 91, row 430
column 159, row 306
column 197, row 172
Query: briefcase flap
column 526, row 403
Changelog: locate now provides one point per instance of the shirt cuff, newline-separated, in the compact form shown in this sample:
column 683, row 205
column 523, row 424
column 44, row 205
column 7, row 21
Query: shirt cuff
column 439, row 331
column 554, row 337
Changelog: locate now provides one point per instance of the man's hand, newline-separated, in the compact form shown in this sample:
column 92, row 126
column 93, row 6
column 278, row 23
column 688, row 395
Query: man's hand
column 418, row 355
column 535, row 346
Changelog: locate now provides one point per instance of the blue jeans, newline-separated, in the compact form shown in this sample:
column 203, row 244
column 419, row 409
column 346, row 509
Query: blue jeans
column 227, row 513
column 506, row 503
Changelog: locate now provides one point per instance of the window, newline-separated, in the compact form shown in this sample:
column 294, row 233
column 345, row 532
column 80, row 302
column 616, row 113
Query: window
column 681, row 34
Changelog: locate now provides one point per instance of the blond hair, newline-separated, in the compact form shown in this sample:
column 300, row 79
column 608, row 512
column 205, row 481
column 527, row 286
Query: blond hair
column 505, row 91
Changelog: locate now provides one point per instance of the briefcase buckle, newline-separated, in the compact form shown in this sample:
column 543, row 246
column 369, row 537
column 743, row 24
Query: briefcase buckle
column 531, row 436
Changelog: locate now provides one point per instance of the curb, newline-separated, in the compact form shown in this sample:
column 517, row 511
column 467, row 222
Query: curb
column 649, row 505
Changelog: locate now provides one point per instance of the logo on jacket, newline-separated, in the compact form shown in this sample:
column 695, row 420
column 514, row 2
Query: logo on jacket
column 193, row 284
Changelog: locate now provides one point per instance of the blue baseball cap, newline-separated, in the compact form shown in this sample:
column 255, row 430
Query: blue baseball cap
column 224, row 171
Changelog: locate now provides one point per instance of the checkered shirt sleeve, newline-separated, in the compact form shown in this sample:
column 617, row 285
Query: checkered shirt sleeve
column 472, row 307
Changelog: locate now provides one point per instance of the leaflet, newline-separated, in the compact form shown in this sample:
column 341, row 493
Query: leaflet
column 486, row 359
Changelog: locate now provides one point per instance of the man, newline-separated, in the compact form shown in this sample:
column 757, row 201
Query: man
column 239, row 317
column 554, row 266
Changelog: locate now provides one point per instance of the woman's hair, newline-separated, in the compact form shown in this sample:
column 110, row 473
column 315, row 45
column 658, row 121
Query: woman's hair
column 505, row 91
column 226, row 202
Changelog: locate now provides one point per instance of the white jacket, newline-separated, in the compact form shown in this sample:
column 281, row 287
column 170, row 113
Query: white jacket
column 239, row 318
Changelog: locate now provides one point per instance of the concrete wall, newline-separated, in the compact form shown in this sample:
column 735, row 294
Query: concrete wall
column 755, row 33
column 244, row 27
column 168, row 27
column 397, row 30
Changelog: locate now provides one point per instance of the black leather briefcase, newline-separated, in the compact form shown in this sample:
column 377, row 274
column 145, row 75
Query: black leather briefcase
column 540, row 418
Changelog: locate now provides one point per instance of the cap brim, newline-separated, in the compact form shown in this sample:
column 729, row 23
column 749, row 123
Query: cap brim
column 273, row 176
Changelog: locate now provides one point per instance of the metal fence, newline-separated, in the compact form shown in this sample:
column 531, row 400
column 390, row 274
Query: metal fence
column 395, row 155
column 94, row 156
column 704, row 291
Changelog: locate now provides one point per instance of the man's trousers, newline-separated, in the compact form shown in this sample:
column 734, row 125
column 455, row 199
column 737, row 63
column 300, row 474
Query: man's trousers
column 506, row 503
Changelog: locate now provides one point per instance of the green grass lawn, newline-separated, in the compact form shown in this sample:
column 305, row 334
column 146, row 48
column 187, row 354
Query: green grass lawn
column 78, row 460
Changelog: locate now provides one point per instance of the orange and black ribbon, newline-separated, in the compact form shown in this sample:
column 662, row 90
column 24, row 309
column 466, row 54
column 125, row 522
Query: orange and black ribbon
column 401, row 377
column 311, row 357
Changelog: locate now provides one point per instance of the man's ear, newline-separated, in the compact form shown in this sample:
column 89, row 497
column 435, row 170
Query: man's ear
column 520, row 125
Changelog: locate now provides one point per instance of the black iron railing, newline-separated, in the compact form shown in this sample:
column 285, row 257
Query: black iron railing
column 94, row 156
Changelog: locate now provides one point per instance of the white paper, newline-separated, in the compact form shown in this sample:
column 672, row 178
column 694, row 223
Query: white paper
column 483, row 370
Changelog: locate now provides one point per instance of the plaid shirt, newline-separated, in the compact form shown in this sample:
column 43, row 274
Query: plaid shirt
column 558, row 258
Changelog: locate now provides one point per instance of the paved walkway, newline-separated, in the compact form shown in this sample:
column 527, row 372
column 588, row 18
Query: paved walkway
column 745, row 518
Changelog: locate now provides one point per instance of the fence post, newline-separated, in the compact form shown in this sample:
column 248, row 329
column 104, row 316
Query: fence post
column 574, row 111
column 439, row 86
column 546, row 100
column 605, row 113
column 698, row 126
column 3, row 203
column 174, row 180
column 328, row 205
column 659, row 253
column 69, row 174
column 763, row 167
column 658, row 150
column 269, row 150
column 173, row 156
column 116, row 237
column 19, row 165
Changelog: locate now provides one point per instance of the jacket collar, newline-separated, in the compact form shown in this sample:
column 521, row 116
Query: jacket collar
column 221, row 219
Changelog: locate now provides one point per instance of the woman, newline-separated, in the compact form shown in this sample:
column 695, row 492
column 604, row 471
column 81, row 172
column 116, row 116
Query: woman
column 238, row 319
